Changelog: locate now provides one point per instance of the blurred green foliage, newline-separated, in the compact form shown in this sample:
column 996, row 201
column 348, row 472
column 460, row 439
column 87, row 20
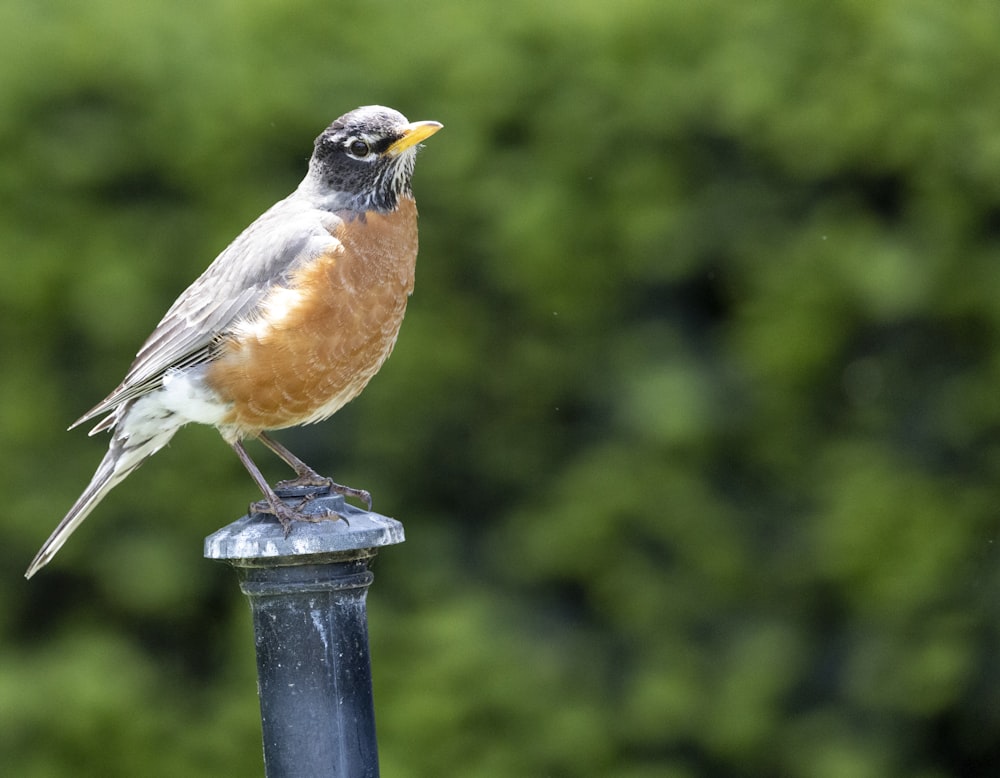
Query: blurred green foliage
column 692, row 423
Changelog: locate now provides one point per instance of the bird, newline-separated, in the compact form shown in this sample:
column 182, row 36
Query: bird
column 287, row 325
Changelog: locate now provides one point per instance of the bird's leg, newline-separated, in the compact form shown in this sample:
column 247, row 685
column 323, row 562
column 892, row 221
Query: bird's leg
column 306, row 476
column 273, row 504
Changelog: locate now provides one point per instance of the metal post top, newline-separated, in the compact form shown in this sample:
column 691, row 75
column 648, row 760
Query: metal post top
column 258, row 539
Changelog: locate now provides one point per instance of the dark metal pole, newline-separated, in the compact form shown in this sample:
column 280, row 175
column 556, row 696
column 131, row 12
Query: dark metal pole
column 307, row 593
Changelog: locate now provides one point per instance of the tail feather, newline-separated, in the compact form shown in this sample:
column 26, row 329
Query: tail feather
column 124, row 455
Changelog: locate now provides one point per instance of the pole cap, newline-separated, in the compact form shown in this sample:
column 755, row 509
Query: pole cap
column 257, row 539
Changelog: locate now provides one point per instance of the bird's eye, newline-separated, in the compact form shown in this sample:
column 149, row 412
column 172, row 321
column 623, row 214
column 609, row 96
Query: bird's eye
column 358, row 148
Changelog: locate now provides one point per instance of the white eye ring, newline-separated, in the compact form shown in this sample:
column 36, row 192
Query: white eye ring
column 358, row 148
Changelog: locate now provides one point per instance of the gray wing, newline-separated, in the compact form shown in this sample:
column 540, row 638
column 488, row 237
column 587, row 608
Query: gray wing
column 230, row 290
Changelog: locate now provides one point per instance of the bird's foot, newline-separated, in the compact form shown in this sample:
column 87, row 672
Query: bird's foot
column 304, row 480
column 287, row 514
column 311, row 478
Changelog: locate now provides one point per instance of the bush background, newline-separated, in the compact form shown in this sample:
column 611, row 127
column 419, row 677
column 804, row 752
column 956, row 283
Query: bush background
column 692, row 423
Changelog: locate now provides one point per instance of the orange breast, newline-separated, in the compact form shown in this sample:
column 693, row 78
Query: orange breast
column 320, row 339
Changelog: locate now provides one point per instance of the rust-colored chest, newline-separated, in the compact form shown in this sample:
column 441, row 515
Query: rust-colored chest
column 318, row 340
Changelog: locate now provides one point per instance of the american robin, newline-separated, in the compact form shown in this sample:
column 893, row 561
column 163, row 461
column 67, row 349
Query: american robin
column 287, row 325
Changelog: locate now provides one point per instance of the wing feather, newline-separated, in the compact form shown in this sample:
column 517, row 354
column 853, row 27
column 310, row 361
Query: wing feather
column 230, row 290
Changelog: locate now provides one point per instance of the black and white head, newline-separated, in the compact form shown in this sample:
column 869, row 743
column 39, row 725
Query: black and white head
column 365, row 158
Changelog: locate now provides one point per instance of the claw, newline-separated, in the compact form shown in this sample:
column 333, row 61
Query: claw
column 307, row 479
column 288, row 515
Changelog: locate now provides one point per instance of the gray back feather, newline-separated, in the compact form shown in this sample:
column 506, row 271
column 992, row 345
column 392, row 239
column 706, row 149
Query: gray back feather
column 231, row 289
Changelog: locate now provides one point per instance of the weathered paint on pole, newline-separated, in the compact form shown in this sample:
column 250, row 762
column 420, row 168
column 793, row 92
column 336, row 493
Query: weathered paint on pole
column 308, row 595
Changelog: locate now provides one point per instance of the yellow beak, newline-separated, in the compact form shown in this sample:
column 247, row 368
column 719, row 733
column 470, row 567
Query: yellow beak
column 413, row 133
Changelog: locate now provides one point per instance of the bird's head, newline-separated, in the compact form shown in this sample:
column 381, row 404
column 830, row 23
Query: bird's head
column 365, row 158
